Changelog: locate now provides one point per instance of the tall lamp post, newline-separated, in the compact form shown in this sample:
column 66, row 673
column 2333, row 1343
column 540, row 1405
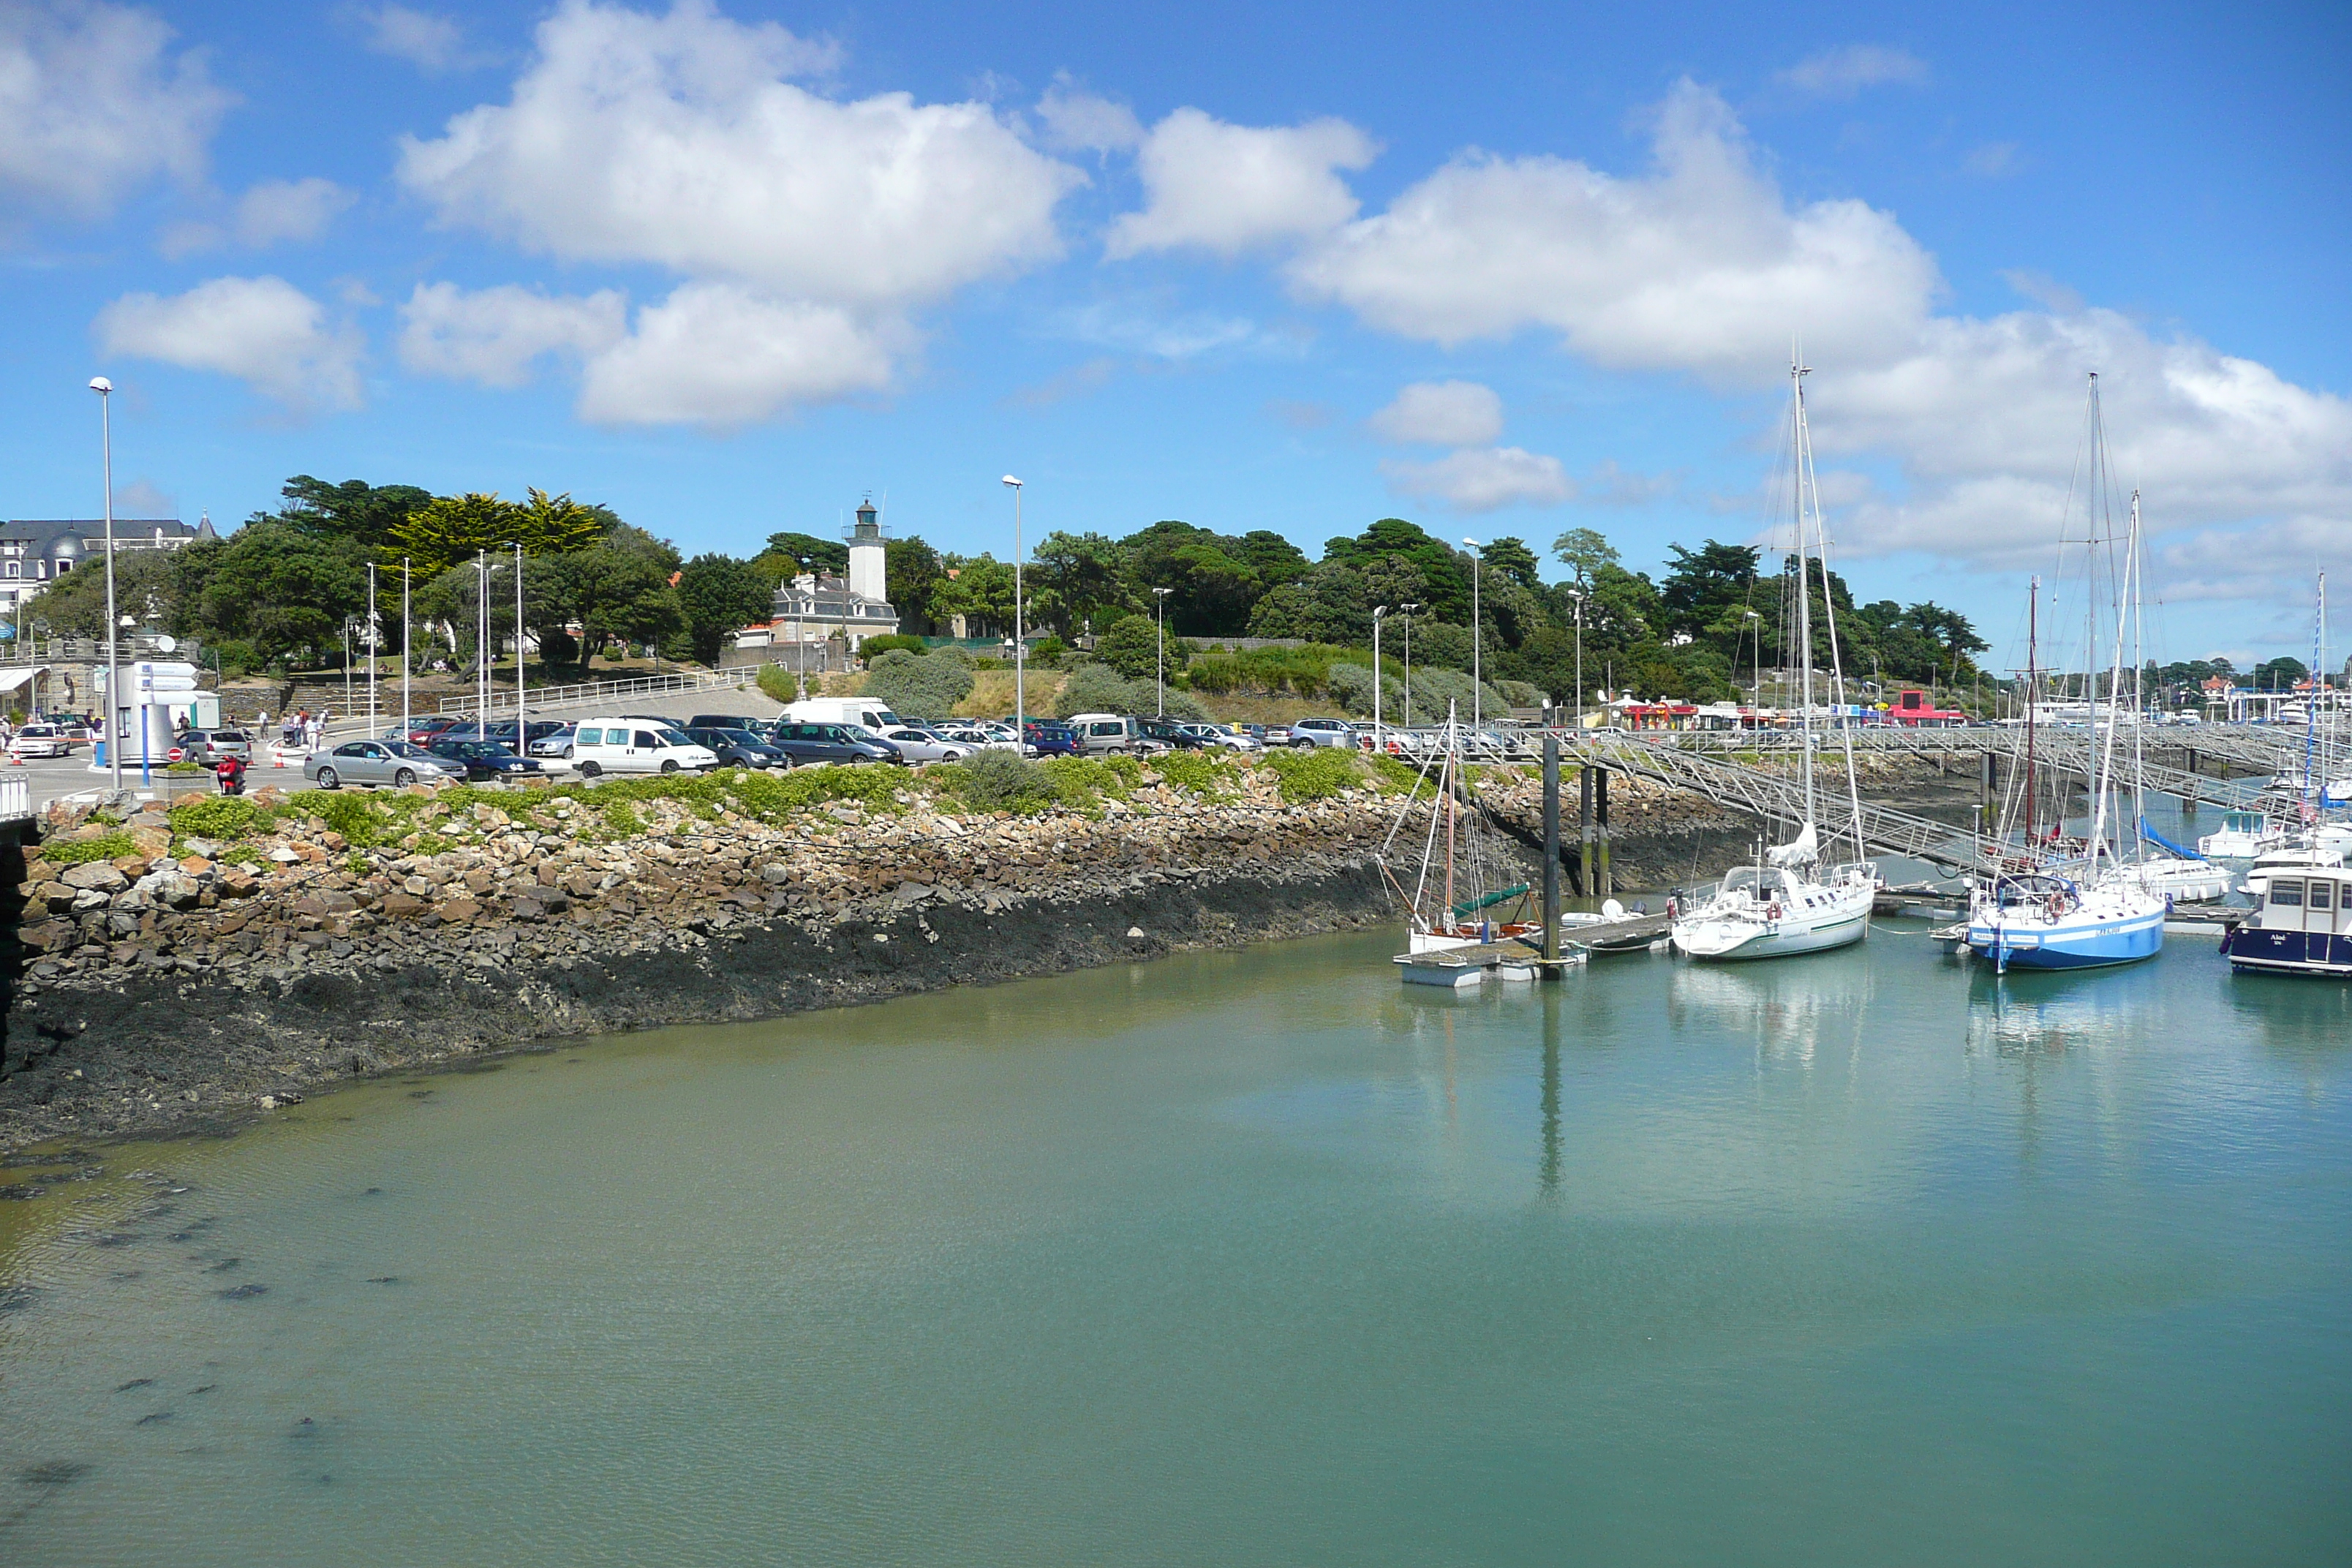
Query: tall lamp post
column 1020, row 643
column 522, row 742
column 374, row 648
column 1380, row 613
column 1579, row 599
column 1408, row 609
column 105, row 390
column 481, row 643
column 407, row 653
column 1477, row 630
column 1160, row 652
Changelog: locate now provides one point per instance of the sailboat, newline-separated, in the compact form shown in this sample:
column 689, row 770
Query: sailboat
column 1788, row 901
column 2098, row 911
column 1465, row 890
column 2318, row 844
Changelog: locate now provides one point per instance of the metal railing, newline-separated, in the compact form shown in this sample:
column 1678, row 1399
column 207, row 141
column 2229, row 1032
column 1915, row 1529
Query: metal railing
column 503, row 703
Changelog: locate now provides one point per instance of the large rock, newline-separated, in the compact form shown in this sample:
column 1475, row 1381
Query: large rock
column 102, row 876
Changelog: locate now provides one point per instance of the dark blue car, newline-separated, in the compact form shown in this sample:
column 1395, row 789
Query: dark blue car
column 1052, row 740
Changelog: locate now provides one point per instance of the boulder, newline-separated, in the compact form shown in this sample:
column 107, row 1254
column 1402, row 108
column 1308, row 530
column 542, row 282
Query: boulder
column 102, row 875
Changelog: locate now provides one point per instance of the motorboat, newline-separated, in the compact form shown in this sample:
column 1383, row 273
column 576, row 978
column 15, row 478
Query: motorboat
column 2184, row 881
column 2291, row 858
column 2303, row 927
column 2243, row 835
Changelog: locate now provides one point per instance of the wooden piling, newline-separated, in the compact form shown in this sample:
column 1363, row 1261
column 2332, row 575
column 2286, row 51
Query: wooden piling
column 1552, row 847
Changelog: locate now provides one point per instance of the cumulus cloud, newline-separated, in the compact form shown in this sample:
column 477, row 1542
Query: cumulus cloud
column 1844, row 72
column 1481, row 479
column 495, row 336
column 272, row 211
column 1227, row 188
column 1441, row 414
column 425, row 40
column 1078, row 121
column 263, row 331
column 1696, row 264
column 677, row 141
column 94, row 103
column 719, row 355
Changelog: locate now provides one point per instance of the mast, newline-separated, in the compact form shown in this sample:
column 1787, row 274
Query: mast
column 2032, row 682
column 1808, row 485
column 2311, row 771
column 1797, row 373
column 2106, row 760
column 2139, row 679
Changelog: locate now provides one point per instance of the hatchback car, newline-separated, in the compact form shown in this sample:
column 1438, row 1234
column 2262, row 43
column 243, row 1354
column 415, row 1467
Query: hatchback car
column 556, row 743
column 846, row 744
column 485, row 762
column 395, row 762
column 209, row 746
column 918, row 744
column 1308, row 733
column 734, row 746
column 1232, row 740
column 1170, row 733
column 1048, row 740
column 39, row 741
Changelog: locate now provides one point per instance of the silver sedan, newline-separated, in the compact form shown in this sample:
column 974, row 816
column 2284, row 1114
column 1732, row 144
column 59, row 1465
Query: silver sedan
column 395, row 762
column 927, row 745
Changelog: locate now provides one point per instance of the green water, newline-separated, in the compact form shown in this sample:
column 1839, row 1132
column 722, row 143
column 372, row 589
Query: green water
column 1249, row 1258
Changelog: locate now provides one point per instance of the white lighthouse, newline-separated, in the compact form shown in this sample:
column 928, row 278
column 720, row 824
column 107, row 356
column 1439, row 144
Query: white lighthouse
column 868, row 577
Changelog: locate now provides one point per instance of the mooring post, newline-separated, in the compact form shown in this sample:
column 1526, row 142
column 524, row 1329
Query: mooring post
column 1600, row 831
column 1551, row 849
column 1584, row 831
column 1985, row 791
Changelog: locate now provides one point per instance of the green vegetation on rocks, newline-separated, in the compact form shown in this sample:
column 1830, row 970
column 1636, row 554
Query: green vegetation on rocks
column 81, row 851
column 1318, row 774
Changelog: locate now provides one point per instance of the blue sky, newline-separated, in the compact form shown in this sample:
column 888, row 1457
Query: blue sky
column 729, row 268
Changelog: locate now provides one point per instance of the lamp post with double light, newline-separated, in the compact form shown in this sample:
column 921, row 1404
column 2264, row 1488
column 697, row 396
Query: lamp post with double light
column 1478, row 629
column 1019, row 648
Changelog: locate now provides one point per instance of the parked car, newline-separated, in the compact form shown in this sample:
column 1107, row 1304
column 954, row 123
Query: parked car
column 1174, row 734
column 1309, row 732
column 1100, row 732
column 39, row 741
column 1272, row 734
column 396, row 762
column 556, row 743
column 209, row 746
column 734, row 746
column 849, row 745
column 917, row 744
column 636, row 746
column 422, row 729
column 1232, row 737
column 750, row 722
column 485, row 762
column 1051, row 740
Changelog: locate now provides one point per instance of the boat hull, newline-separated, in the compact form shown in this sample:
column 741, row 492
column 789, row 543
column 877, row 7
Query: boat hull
column 2255, row 952
column 2071, row 945
column 1738, row 942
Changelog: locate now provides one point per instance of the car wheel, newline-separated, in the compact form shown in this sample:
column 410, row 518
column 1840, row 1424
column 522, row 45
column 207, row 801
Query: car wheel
column 329, row 779
column 591, row 770
column 405, row 777
column 567, row 753
column 854, row 761
column 783, row 763
column 669, row 765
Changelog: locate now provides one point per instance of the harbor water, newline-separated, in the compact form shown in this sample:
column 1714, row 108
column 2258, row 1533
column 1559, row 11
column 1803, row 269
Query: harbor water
column 1252, row 1257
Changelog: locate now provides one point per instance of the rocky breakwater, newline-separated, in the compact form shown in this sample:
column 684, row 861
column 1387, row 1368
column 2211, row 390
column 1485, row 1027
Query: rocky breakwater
column 226, row 955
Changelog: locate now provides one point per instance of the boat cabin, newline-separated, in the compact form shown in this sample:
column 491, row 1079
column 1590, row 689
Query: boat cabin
column 2304, row 927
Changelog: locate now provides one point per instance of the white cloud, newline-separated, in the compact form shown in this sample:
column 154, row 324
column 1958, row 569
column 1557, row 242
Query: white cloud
column 423, row 38
column 717, row 355
column 1697, row 264
column 1441, row 414
column 93, row 102
column 1078, row 121
column 1481, row 479
column 272, row 211
column 1993, row 160
column 1134, row 327
column 675, row 140
column 1230, row 188
column 495, row 336
column 1843, row 72
column 263, row 331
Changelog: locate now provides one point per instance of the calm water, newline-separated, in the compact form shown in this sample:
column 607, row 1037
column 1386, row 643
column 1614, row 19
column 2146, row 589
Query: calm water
column 1248, row 1258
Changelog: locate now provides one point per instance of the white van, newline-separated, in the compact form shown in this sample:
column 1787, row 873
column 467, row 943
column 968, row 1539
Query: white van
column 1099, row 733
column 863, row 710
column 636, row 746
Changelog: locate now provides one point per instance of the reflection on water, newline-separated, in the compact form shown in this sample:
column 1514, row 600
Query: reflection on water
column 1249, row 1257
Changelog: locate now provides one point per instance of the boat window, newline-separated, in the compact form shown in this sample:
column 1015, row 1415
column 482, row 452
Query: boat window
column 2286, row 895
column 2322, row 895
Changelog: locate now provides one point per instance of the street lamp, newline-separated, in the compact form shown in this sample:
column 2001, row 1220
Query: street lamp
column 105, row 390
column 481, row 643
column 1159, row 654
column 522, row 744
column 1020, row 690
column 1478, row 627
column 1579, row 598
column 1380, row 613
column 1408, row 609
column 407, row 651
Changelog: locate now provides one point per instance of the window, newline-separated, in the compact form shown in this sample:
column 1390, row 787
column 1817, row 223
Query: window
column 646, row 739
column 2285, row 895
column 353, row 749
column 15, row 570
column 2323, row 896
column 589, row 738
column 64, row 567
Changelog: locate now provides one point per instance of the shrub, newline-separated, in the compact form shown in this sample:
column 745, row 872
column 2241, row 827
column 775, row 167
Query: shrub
column 222, row 816
column 360, row 820
column 1099, row 689
column 917, row 683
column 999, row 780
column 1129, row 646
column 776, row 684
column 873, row 649
column 81, row 851
column 1199, row 771
column 1317, row 774
column 186, row 770
column 1052, row 650
column 1519, row 693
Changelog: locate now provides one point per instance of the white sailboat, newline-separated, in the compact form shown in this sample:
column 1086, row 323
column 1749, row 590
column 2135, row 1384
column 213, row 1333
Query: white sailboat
column 1788, row 901
column 1465, row 891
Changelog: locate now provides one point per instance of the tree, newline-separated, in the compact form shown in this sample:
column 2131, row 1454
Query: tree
column 353, row 509
column 1079, row 579
column 911, row 572
column 145, row 587
column 450, row 528
column 1512, row 561
column 1446, row 570
column 719, row 596
column 789, row 555
column 1583, row 551
column 1700, row 585
column 1331, row 605
column 1212, row 588
column 286, row 591
column 1130, row 646
column 610, row 594
column 979, row 589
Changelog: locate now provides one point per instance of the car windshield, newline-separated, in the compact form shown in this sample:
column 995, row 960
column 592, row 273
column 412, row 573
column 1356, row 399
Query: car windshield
column 672, row 737
column 857, row 731
column 490, row 749
column 743, row 737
